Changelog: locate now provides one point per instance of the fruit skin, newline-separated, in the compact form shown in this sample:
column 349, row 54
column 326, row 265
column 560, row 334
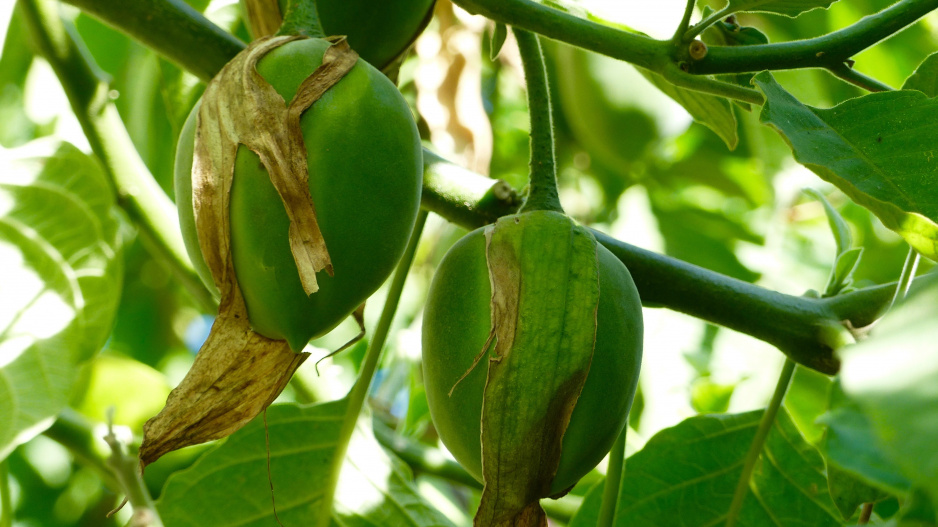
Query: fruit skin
column 366, row 165
column 455, row 327
column 379, row 30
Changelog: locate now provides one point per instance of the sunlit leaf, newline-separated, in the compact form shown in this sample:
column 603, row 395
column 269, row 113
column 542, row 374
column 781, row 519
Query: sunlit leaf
column 850, row 444
column 229, row 485
column 893, row 376
column 791, row 8
column 879, row 149
column 925, row 77
column 712, row 111
column 690, row 471
column 59, row 251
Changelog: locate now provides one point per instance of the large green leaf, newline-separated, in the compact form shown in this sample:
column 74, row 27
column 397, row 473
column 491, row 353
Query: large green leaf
column 229, row 485
column 850, row 444
column 879, row 149
column 790, row 8
column 59, row 252
column 690, row 471
column 894, row 377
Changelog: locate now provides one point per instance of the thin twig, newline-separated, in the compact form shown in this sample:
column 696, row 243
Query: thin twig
column 755, row 449
column 607, row 512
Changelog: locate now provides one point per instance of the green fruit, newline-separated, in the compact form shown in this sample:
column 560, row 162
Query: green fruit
column 457, row 321
column 379, row 30
column 365, row 170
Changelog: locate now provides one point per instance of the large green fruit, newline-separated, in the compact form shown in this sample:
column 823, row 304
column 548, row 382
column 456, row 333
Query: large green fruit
column 365, row 171
column 456, row 324
column 379, row 30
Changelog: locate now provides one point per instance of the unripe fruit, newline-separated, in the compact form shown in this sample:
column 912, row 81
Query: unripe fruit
column 365, row 169
column 457, row 322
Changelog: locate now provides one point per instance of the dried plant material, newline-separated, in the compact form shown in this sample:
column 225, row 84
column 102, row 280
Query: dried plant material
column 239, row 372
column 544, row 274
column 448, row 76
column 236, row 375
column 263, row 16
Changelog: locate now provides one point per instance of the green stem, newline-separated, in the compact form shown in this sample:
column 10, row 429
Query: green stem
column 355, row 399
column 542, row 194
column 699, row 27
column 905, row 277
column 678, row 37
column 607, row 513
column 302, row 18
column 6, row 501
column 676, row 76
column 136, row 191
column 77, row 435
column 848, row 74
column 423, row 459
column 755, row 449
column 356, row 396
column 173, row 28
column 819, row 52
column 129, row 474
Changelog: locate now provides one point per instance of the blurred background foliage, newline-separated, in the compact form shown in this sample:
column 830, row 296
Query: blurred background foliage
column 631, row 163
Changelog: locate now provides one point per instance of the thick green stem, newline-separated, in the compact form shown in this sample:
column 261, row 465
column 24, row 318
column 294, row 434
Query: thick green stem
column 136, row 191
column 820, row 52
column 755, row 449
column 607, row 512
column 179, row 32
column 542, row 189
column 302, row 18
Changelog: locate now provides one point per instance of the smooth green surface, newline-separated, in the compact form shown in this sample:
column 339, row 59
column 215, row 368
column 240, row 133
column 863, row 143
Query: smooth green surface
column 893, row 377
column 365, row 165
column 379, row 30
column 456, row 325
column 689, row 472
column 878, row 149
column 228, row 485
column 62, row 271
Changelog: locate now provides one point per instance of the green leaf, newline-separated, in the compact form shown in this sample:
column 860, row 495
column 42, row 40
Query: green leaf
column 842, row 273
column 878, row 149
column 838, row 225
column 851, row 445
column 60, row 255
column 893, row 376
column 848, row 492
column 499, row 35
column 925, row 77
column 690, row 471
column 790, row 8
column 714, row 112
column 228, row 485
